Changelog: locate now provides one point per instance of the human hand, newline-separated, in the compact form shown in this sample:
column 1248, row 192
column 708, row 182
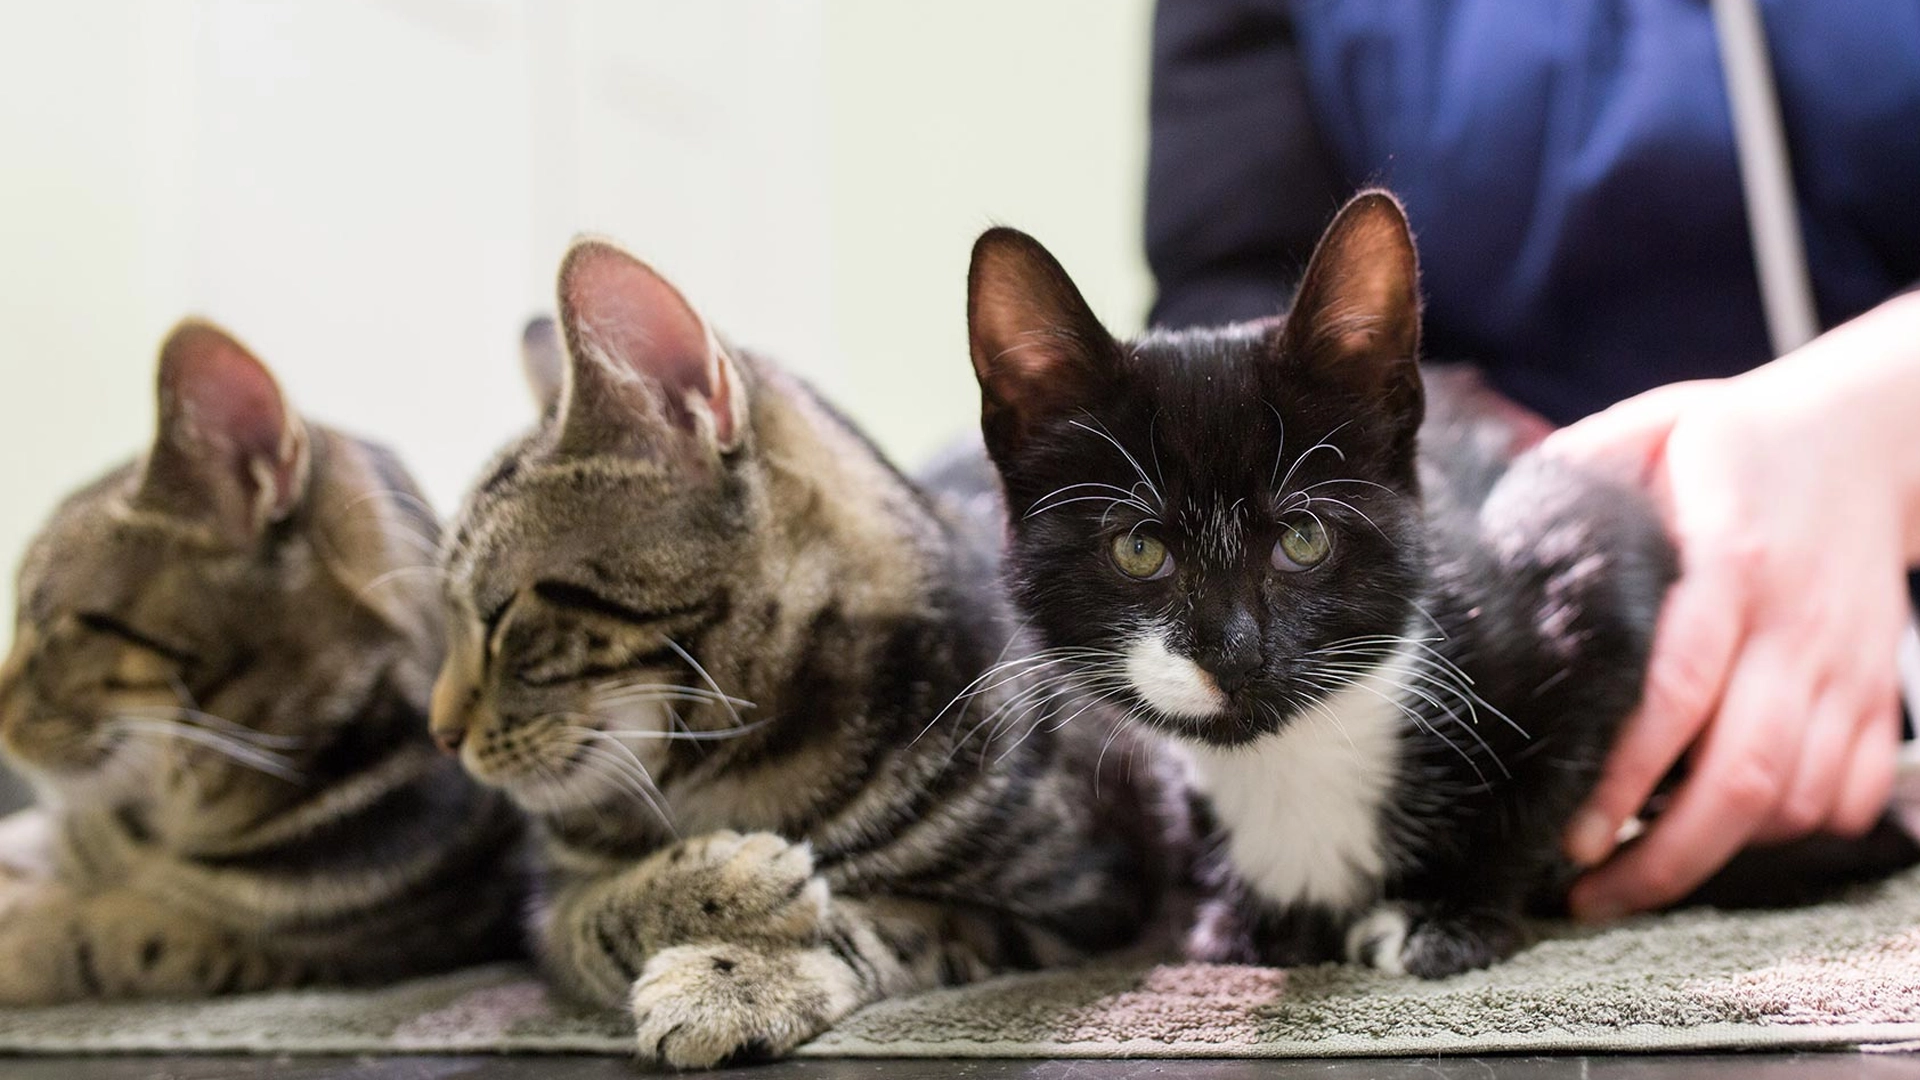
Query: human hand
column 1790, row 496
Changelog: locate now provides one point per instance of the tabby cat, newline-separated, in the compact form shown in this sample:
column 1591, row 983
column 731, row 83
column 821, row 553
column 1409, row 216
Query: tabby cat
column 742, row 674
column 218, row 688
column 1394, row 659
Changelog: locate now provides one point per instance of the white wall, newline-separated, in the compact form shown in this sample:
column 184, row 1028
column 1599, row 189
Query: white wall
column 949, row 117
column 374, row 195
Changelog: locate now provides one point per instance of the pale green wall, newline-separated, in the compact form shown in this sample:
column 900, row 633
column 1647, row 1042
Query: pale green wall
column 374, row 193
column 951, row 117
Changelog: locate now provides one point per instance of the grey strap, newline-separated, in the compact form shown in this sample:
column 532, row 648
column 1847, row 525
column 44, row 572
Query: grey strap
column 1766, row 175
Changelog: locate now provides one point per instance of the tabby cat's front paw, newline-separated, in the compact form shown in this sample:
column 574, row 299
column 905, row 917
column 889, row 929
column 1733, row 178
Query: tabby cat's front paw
column 36, row 944
column 726, row 886
column 24, row 984
column 696, row 1006
column 1405, row 939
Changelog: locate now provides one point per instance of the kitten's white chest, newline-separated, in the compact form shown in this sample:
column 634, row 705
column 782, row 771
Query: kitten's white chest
column 1303, row 807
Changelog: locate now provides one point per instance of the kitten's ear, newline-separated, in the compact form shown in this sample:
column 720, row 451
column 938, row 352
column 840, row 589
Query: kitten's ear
column 640, row 359
column 1356, row 319
column 229, row 450
column 1038, row 350
column 543, row 360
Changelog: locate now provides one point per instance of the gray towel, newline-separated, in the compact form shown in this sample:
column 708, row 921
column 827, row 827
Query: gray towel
column 1837, row 974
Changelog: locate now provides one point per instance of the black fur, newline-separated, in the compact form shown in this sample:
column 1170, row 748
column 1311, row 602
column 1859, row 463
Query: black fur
column 1540, row 584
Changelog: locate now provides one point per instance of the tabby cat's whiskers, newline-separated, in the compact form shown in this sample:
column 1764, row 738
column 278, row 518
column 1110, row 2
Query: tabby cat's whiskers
column 253, row 757
column 613, row 760
column 689, row 736
column 726, row 699
column 619, row 692
column 185, row 714
column 396, row 574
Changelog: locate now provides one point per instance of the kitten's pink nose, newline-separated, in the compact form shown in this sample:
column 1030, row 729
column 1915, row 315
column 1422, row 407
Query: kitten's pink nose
column 1234, row 665
column 449, row 741
column 1233, row 672
column 1235, row 654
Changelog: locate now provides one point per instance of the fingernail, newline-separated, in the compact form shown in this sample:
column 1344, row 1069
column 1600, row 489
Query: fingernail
column 1590, row 838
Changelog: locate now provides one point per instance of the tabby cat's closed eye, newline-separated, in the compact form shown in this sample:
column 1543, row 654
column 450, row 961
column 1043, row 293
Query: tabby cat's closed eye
column 112, row 627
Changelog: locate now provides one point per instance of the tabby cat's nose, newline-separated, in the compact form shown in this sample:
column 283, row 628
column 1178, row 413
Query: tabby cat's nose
column 13, row 668
column 449, row 712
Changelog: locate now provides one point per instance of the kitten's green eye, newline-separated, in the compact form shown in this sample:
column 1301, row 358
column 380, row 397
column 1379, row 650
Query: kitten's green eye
column 1303, row 544
column 1141, row 556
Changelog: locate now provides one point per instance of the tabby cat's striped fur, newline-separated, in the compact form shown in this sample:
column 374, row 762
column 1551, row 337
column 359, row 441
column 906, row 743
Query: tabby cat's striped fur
column 218, row 687
column 723, row 652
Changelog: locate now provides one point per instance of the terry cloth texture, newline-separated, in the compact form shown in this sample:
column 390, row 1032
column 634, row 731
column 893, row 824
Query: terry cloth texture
column 1842, row 973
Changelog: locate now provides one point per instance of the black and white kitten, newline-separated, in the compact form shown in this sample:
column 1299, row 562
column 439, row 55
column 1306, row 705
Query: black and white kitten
column 1395, row 658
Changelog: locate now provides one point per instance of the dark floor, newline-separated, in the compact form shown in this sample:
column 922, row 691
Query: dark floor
column 1665, row 1067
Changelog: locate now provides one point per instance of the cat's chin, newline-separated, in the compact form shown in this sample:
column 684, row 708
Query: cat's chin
column 566, row 790
column 103, row 781
column 1211, row 719
column 84, row 769
column 1226, row 728
column 544, row 800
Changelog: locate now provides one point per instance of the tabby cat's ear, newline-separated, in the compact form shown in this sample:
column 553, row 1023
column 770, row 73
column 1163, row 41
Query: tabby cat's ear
column 640, row 359
column 543, row 360
column 1356, row 319
column 1038, row 350
column 229, row 451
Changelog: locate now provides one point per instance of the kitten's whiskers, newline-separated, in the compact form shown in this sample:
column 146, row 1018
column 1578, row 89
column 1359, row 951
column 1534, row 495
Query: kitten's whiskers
column 1279, row 454
column 1325, row 443
column 1002, row 672
column 1103, row 433
column 1121, row 497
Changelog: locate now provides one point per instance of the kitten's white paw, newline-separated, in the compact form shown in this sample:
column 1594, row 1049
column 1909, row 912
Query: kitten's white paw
column 695, row 1006
column 1379, row 939
column 1409, row 939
